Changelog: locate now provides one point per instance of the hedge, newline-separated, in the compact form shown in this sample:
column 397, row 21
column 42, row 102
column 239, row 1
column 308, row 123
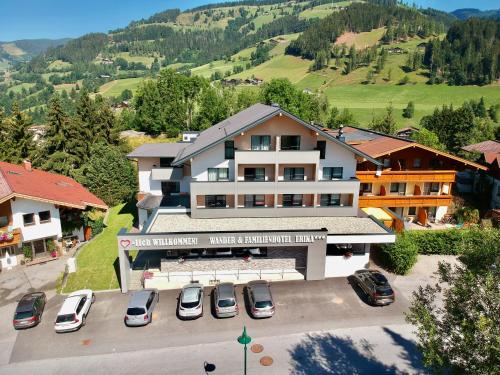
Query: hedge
column 402, row 255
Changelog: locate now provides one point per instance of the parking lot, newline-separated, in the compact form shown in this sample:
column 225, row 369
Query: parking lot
column 300, row 307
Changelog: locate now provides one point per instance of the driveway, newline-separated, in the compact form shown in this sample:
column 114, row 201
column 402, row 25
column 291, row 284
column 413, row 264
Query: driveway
column 300, row 307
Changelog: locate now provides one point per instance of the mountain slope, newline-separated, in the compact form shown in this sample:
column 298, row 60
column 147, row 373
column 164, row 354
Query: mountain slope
column 466, row 13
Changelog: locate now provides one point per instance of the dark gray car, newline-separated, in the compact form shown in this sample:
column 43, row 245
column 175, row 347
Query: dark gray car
column 141, row 306
column 375, row 285
column 225, row 302
column 260, row 298
column 29, row 310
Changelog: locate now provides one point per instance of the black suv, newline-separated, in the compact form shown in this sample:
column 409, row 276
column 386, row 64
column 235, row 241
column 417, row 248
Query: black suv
column 375, row 285
column 29, row 310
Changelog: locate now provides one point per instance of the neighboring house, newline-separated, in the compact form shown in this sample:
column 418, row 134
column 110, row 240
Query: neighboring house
column 414, row 181
column 490, row 156
column 407, row 132
column 261, row 181
column 35, row 205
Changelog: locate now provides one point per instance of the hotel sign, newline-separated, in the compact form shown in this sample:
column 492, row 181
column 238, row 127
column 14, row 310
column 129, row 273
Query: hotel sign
column 153, row 241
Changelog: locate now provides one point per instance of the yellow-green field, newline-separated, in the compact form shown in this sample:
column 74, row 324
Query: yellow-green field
column 115, row 88
column 12, row 49
column 362, row 40
column 296, row 69
column 146, row 60
column 18, row 88
column 58, row 64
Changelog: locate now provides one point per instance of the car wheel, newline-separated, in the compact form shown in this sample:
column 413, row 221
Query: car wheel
column 84, row 320
column 93, row 297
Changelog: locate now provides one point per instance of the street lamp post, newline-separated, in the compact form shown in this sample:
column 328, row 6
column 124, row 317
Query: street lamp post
column 244, row 339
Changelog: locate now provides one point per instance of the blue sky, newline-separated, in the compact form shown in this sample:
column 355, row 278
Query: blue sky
column 29, row 19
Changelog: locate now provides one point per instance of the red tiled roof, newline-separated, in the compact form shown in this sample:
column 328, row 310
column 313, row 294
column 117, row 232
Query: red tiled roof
column 484, row 147
column 16, row 180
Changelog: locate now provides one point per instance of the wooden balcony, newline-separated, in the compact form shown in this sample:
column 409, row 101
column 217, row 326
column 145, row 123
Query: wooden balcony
column 406, row 176
column 404, row 200
column 15, row 240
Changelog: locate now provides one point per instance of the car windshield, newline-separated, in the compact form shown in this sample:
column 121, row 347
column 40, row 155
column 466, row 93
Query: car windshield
column 379, row 278
column 136, row 311
column 263, row 304
column 227, row 302
column 384, row 291
column 66, row 318
column 23, row 315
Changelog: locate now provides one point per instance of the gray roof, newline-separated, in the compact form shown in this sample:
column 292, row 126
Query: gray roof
column 246, row 119
column 162, row 150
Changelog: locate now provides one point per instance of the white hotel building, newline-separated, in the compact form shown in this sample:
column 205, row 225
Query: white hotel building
column 261, row 193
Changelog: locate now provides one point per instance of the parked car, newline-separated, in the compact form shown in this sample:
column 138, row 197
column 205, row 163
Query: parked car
column 375, row 285
column 140, row 307
column 29, row 310
column 225, row 302
column 74, row 311
column 191, row 301
column 261, row 300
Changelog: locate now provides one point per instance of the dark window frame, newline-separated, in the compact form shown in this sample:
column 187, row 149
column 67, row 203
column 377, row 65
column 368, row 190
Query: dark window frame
column 4, row 221
column 257, row 140
column 332, row 200
column 410, row 209
column 27, row 224
column 321, row 146
column 292, row 200
column 229, row 150
column 252, row 201
column 166, row 162
column 219, row 201
column 289, row 146
column 363, row 187
column 248, row 176
column 42, row 221
column 332, row 174
column 432, row 187
column 218, row 170
column 293, row 175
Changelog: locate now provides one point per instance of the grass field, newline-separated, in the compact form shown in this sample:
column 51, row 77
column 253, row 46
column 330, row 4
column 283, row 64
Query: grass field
column 146, row 60
column 115, row 88
column 12, row 49
column 97, row 261
column 365, row 101
column 58, row 64
column 295, row 71
column 17, row 88
column 361, row 40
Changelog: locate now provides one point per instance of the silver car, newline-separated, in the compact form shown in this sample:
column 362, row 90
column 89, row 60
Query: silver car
column 191, row 301
column 225, row 302
column 261, row 300
column 141, row 306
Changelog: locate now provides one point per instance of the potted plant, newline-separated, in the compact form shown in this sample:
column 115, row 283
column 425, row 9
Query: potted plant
column 51, row 248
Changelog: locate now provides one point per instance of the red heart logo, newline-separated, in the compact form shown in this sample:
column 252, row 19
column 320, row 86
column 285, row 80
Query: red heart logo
column 125, row 243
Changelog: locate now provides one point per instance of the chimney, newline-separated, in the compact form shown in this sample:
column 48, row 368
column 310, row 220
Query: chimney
column 276, row 105
column 27, row 165
column 341, row 136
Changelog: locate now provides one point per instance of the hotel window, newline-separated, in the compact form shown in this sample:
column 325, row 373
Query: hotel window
column 215, row 201
column 290, row 142
column 330, row 200
column 28, row 219
column 166, row 162
column 434, row 187
column 4, row 221
column 332, row 173
column 417, row 163
column 365, row 187
column 258, row 200
column 261, row 142
column 218, row 174
column 402, row 163
column 412, row 211
column 229, row 150
column 255, row 174
column 44, row 216
column 386, row 162
column 436, row 163
column 292, row 200
column 294, row 174
column 398, row 187
column 321, row 146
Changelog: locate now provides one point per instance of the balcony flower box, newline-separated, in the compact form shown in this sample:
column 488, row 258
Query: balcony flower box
column 6, row 236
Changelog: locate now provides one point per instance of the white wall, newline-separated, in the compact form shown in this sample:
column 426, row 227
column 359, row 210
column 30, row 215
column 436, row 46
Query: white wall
column 440, row 212
column 338, row 156
column 338, row 266
column 39, row 230
column 211, row 158
column 146, row 184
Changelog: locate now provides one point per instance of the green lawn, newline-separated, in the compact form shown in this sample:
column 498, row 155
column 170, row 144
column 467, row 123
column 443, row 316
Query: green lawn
column 146, row 60
column 115, row 88
column 97, row 261
column 17, row 88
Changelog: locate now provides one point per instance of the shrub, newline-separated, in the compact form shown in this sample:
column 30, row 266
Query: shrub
column 28, row 252
column 402, row 255
column 445, row 242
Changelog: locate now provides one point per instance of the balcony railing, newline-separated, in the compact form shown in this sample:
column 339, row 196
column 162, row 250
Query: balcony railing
column 404, row 200
column 276, row 157
column 165, row 174
column 406, row 176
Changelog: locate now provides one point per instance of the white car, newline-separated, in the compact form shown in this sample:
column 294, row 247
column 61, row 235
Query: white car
column 191, row 301
column 74, row 310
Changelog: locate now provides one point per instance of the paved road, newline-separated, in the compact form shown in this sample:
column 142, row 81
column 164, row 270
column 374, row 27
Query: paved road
column 301, row 307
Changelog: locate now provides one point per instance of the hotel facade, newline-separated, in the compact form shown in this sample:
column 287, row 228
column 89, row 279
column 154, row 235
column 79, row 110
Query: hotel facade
column 262, row 194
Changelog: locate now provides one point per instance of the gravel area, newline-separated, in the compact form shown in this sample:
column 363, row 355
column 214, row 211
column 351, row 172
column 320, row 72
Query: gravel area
column 175, row 223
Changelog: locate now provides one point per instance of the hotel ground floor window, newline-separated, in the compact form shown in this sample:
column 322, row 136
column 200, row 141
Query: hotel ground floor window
column 258, row 200
column 328, row 200
column 255, row 174
column 215, row 201
column 170, row 187
column 412, row 211
column 292, row 200
column 12, row 250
